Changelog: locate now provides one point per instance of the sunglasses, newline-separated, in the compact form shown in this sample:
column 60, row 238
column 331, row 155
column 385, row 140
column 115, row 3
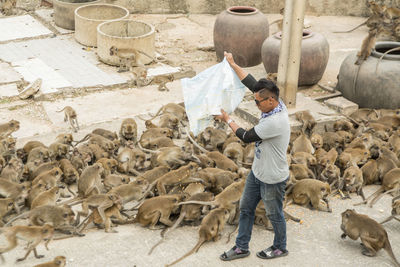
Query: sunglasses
column 259, row 101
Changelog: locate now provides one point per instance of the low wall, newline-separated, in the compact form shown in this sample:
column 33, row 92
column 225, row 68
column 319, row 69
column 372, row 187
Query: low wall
column 314, row 7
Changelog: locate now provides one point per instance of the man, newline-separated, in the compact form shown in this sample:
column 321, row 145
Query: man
column 269, row 172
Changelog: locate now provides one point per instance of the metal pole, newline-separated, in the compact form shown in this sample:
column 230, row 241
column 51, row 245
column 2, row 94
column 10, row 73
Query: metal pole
column 290, row 54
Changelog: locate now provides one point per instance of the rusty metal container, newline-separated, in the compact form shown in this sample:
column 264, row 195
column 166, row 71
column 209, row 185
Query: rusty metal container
column 314, row 56
column 376, row 85
column 241, row 30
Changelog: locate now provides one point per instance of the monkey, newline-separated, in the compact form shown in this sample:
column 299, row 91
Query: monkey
column 172, row 108
column 50, row 178
column 232, row 138
column 227, row 198
column 385, row 164
column 106, row 133
column 332, row 140
column 153, row 174
column 39, row 153
column 66, row 139
column 128, row 131
column 353, row 181
column 149, row 124
column 8, row 128
column 366, row 49
column 6, row 205
column 310, row 191
column 191, row 212
column 316, row 141
column 2, row 163
column 32, row 234
column 114, row 180
column 222, row 161
column 13, row 170
column 162, row 80
column 14, row 191
column 99, row 152
column 390, row 154
column 194, row 188
column 113, row 211
column 301, row 171
column 346, row 136
column 392, row 13
column 157, row 209
column 59, row 261
column 373, row 236
column 7, row 146
column 173, row 157
column 393, row 122
column 152, row 133
column 370, row 172
column 213, row 139
column 304, row 158
column 90, row 181
column 169, row 120
column 70, row 116
column 58, row 151
column 353, row 156
column 180, row 175
column 70, row 174
column 100, row 202
column 395, row 210
column 109, row 165
column 160, row 142
column 302, row 144
column 48, row 197
column 307, row 120
column 372, row 21
column 343, row 125
column 134, row 191
column 140, row 76
column 234, row 151
column 206, row 162
column 130, row 160
column 329, row 158
column 211, row 227
column 390, row 184
column 58, row 216
column 103, row 142
column 43, row 167
column 128, row 57
column 331, row 175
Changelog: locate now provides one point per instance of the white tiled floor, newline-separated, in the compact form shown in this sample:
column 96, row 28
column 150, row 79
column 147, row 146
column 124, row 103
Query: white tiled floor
column 8, row 90
column 61, row 55
column 21, row 27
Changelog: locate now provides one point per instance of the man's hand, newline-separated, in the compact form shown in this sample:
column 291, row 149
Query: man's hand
column 224, row 116
column 229, row 58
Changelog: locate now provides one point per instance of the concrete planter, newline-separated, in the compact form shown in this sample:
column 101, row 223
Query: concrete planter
column 314, row 56
column 125, row 34
column 64, row 11
column 88, row 17
column 374, row 86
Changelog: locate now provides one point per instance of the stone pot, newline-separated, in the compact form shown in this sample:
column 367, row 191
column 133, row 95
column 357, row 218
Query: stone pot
column 64, row 11
column 241, row 30
column 314, row 56
column 88, row 17
column 373, row 87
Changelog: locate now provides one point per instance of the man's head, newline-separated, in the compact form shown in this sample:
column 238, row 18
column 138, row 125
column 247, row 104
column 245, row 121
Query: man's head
column 266, row 95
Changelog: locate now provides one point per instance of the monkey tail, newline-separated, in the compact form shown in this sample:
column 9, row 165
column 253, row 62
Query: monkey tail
column 195, row 249
column 206, row 203
column 387, row 52
column 158, row 113
column 60, row 110
column 178, row 221
column 143, row 119
column 74, row 201
column 82, row 140
column 147, row 150
column 202, row 149
column 355, row 28
column 389, row 250
column 23, row 215
column 375, row 199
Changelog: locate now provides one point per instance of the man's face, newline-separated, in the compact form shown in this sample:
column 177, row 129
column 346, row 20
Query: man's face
column 264, row 104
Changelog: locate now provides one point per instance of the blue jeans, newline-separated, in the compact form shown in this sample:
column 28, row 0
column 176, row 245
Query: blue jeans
column 272, row 195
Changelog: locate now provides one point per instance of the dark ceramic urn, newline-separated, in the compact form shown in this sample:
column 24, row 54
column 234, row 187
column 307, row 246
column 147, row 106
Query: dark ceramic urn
column 314, row 56
column 376, row 85
column 241, row 30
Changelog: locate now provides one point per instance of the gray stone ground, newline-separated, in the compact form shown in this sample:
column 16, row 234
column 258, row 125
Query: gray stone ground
column 315, row 242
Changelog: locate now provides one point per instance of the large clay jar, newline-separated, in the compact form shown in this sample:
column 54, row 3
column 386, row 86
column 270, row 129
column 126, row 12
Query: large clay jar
column 241, row 30
column 314, row 56
column 375, row 86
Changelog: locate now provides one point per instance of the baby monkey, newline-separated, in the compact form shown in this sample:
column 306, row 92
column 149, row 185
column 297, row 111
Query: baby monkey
column 70, row 115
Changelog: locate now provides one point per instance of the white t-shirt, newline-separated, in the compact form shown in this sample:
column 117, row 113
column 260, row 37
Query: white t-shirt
column 270, row 163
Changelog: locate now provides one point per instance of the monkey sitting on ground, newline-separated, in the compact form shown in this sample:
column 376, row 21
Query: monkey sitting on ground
column 310, row 191
column 6, row 205
column 128, row 57
column 17, row 192
column 32, row 234
column 162, row 80
column 373, row 236
column 64, row 139
column 395, row 210
column 307, row 120
column 59, row 261
column 302, row 144
column 70, row 116
column 210, row 229
column 353, row 181
column 106, row 133
column 8, row 128
column 128, row 131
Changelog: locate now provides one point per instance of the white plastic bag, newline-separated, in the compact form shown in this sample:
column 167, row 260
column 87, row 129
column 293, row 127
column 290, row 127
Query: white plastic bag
column 205, row 94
